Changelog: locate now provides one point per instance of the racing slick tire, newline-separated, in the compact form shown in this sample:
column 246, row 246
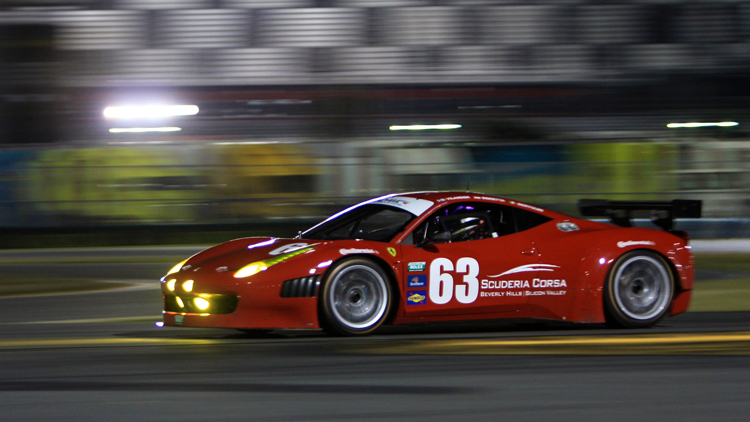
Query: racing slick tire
column 356, row 298
column 638, row 290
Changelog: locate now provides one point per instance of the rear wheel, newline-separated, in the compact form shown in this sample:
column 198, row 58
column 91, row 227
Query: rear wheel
column 638, row 290
column 356, row 297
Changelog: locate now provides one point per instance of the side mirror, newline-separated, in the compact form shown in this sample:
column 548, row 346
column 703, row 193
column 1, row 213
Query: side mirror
column 439, row 237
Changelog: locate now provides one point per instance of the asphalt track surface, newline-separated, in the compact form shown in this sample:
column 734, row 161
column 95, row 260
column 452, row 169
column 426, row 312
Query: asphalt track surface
column 100, row 357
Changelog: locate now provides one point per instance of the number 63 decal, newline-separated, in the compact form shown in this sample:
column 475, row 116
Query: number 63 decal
column 442, row 284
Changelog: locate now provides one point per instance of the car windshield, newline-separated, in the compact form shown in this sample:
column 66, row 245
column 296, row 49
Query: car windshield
column 368, row 222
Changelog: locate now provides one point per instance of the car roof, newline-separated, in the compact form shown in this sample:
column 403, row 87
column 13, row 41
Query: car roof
column 457, row 196
column 450, row 196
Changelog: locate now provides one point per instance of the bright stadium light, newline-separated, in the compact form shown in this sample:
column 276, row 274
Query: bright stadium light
column 425, row 127
column 702, row 124
column 150, row 111
column 143, row 129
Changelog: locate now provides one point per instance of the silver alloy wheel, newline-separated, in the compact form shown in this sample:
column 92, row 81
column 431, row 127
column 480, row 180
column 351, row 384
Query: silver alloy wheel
column 642, row 287
column 358, row 297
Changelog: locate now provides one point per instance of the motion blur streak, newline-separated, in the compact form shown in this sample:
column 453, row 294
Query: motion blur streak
column 137, row 112
column 425, row 127
column 731, row 343
column 144, row 129
column 79, row 342
column 702, row 124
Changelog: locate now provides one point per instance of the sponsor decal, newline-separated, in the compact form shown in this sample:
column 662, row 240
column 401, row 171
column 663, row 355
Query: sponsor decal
column 525, row 293
column 397, row 201
column 513, row 287
column 178, row 319
column 392, row 251
column 353, row 250
column 412, row 205
column 531, row 207
column 489, row 198
column 523, row 284
column 453, row 198
column 417, row 266
column 416, row 297
column 419, row 280
column 528, row 268
column 628, row 243
column 459, row 280
column 288, row 248
column 222, row 269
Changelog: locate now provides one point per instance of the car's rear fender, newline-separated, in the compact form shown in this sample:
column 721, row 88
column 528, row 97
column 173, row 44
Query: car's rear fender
column 588, row 304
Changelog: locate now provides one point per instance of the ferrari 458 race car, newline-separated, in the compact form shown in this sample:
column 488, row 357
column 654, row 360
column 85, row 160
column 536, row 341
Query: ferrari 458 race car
column 432, row 256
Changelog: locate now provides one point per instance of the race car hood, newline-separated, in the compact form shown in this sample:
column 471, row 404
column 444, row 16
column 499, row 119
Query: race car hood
column 240, row 252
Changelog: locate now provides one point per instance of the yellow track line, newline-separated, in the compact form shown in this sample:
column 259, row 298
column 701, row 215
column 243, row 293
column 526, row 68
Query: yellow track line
column 736, row 343
column 630, row 340
column 729, row 343
column 92, row 320
column 78, row 342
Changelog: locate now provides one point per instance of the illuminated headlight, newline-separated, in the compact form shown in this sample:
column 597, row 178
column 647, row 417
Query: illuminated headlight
column 188, row 286
column 170, row 284
column 177, row 267
column 256, row 267
column 201, row 303
column 250, row 269
column 188, row 303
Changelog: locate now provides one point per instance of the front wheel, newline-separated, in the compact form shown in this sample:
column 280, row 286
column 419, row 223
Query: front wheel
column 356, row 297
column 638, row 290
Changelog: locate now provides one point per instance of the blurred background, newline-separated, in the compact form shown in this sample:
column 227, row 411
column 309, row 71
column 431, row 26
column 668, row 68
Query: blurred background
column 304, row 107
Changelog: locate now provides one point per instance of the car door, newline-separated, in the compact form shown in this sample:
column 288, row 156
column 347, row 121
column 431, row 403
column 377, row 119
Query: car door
column 484, row 266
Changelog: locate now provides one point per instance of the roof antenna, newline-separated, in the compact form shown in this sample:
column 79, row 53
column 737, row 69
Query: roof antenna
column 468, row 185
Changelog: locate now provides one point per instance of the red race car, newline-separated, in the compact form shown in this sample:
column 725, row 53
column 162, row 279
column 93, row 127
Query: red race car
column 431, row 256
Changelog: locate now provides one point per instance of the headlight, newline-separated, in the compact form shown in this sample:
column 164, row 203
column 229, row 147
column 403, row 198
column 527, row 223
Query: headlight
column 201, row 303
column 250, row 269
column 170, row 284
column 188, row 286
column 177, row 267
column 256, row 267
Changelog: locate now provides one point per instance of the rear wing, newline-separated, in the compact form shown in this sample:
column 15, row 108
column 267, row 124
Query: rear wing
column 662, row 213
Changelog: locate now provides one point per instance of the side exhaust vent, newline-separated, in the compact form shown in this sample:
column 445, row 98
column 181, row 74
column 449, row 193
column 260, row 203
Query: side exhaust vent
column 301, row 287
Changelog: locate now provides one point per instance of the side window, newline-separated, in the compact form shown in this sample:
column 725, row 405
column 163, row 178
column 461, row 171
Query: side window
column 528, row 220
column 465, row 226
column 465, row 222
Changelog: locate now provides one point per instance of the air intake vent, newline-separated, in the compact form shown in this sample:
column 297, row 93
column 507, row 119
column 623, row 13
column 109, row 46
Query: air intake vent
column 301, row 287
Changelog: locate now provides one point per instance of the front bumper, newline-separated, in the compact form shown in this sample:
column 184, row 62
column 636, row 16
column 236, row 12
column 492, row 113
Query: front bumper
column 200, row 303
column 257, row 307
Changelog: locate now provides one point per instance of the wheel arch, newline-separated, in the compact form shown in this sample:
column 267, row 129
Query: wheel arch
column 677, row 278
column 670, row 264
column 676, row 284
column 392, row 281
column 588, row 306
column 395, row 288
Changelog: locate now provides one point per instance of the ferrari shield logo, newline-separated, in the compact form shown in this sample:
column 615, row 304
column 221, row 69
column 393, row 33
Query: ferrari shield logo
column 392, row 251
